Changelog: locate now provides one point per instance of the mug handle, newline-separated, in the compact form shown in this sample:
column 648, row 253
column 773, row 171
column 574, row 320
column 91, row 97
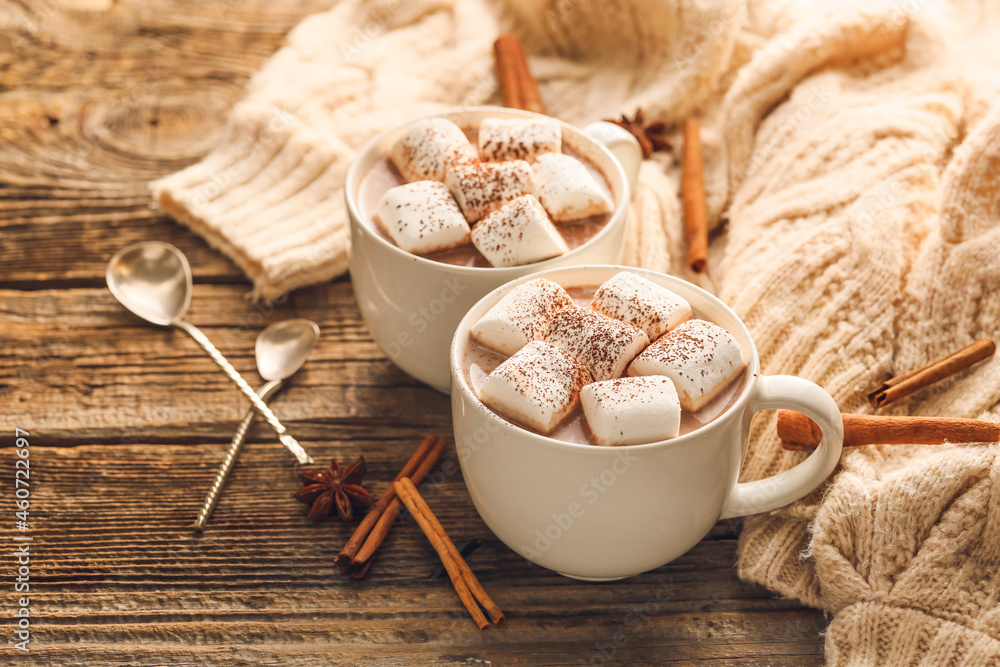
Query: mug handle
column 771, row 493
column 622, row 145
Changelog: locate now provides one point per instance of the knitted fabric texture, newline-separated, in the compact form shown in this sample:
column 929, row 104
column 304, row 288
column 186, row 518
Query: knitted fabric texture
column 851, row 160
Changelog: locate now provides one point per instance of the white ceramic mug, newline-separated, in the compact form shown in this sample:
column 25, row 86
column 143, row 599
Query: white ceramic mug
column 411, row 305
column 602, row 513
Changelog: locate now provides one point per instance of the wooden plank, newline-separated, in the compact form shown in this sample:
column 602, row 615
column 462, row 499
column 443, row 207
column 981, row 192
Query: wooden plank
column 93, row 107
column 257, row 652
column 75, row 364
column 116, row 571
column 36, row 255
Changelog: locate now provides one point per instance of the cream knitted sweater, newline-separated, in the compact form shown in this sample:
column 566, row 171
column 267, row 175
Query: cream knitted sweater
column 854, row 154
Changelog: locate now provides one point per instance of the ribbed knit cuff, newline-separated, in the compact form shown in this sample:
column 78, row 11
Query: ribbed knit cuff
column 771, row 553
column 270, row 197
column 873, row 633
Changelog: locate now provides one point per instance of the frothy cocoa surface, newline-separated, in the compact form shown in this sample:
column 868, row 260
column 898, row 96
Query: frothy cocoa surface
column 479, row 362
column 383, row 176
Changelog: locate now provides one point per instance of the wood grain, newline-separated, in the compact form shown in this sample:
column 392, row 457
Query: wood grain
column 128, row 422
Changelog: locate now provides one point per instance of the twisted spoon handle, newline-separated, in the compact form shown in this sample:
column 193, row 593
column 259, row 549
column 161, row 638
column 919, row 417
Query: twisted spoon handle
column 287, row 440
column 212, row 497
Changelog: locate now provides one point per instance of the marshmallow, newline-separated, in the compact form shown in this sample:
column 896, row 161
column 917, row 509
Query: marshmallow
column 641, row 303
column 631, row 411
column 518, row 233
column 482, row 188
column 605, row 346
column 422, row 218
column 521, row 316
column 700, row 357
column 538, row 387
column 518, row 139
column 567, row 190
column 429, row 147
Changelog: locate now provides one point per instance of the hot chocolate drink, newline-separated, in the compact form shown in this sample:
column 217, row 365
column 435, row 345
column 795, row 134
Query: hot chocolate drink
column 524, row 193
column 626, row 362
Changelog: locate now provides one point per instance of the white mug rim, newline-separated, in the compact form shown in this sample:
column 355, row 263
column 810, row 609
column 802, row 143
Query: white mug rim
column 353, row 180
column 458, row 382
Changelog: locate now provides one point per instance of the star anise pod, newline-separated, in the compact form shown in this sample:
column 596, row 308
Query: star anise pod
column 652, row 138
column 335, row 490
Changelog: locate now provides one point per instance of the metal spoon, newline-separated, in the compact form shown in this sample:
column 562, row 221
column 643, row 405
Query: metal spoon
column 281, row 350
column 153, row 280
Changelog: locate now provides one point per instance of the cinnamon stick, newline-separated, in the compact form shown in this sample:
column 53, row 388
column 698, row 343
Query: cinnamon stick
column 462, row 578
column 350, row 550
column 372, row 531
column 467, row 548
column 518, row 89
column 362, row 572
column 363, row 560
column 906, row 384
column 798, row 432
column 693, row 194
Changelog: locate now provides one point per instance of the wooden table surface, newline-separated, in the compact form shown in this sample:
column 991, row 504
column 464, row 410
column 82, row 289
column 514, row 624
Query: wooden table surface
column 128, row 422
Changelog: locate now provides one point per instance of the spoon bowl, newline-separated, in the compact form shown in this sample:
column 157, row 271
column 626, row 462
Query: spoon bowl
column 283, row 347
column 153, row 280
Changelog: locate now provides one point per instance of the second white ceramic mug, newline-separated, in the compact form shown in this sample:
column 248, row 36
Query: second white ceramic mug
column 603, row 513
column 411, row 304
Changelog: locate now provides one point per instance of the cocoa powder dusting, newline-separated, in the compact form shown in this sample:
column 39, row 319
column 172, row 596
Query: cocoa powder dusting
column 604, row 345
